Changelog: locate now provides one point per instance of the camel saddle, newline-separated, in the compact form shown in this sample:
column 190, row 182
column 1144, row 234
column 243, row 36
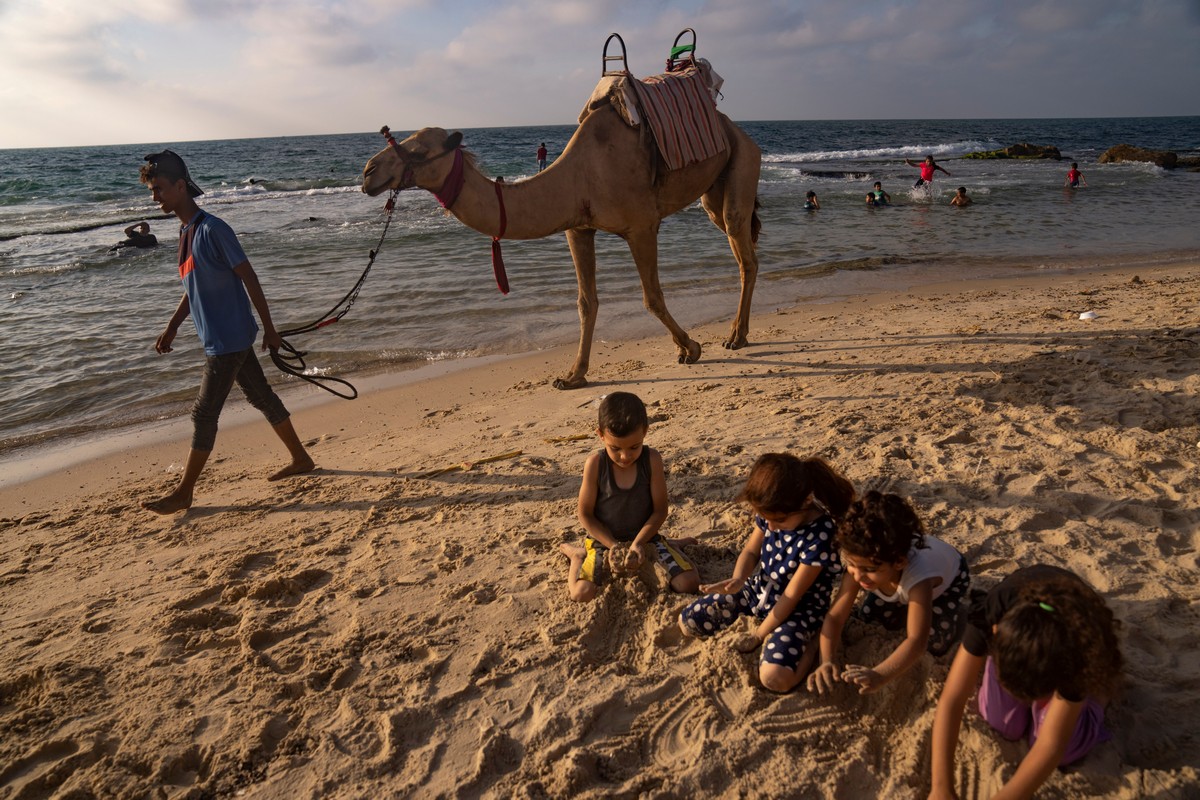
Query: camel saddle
column 679, row 108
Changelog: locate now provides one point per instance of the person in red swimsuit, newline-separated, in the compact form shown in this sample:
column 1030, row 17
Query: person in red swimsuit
column 1075, row 178
column 927, row 167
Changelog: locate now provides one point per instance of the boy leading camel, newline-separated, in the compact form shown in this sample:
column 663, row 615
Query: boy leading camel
column 219, row 288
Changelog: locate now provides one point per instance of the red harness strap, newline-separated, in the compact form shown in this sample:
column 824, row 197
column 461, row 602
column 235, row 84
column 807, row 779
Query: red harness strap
column 497, row 257
column 452, row 186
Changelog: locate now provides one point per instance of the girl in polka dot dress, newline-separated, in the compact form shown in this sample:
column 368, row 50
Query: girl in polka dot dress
column 786, row 573
column 913, row 582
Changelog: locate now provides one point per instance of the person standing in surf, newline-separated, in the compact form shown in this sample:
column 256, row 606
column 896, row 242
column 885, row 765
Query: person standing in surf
column 219, row 288
column 927, row 167
column 1075, row 178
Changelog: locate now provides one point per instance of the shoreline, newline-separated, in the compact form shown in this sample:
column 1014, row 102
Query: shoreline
column 53, row 451
column 25, row 464
column 396, row 622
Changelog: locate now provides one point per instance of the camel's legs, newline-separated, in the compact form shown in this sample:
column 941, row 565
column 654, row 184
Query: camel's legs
column 644, row 246
column 738, row 224
column 730, row 205
column 582, row 242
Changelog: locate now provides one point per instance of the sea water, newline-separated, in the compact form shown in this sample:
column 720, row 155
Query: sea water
column 78, row 320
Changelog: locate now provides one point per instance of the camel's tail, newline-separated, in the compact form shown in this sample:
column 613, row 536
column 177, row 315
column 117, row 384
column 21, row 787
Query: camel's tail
column 755, row 222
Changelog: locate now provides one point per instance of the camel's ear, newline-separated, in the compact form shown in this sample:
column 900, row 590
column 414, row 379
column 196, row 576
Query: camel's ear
column 453, row 141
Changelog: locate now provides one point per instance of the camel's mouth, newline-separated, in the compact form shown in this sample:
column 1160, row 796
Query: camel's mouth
column 377, row 179
column 372, row 185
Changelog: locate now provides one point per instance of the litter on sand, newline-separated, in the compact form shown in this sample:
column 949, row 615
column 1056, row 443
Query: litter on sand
column 575, row 437
column 466, row 465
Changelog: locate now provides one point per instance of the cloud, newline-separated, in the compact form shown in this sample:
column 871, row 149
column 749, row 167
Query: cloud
column 226, row 68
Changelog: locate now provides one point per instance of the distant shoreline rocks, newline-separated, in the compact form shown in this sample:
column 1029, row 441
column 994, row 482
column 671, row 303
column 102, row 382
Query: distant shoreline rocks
column 1113, row 155
column 1021, row 150
column 1163, row 158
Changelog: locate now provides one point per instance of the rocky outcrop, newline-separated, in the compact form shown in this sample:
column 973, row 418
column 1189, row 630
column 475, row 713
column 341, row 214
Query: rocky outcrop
column 1022, row 150
column 1127, row 152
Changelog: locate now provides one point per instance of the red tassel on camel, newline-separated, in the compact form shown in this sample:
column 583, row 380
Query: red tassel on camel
column 497, row 258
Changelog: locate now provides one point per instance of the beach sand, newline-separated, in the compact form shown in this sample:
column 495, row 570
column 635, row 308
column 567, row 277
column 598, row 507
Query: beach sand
column 382, row 629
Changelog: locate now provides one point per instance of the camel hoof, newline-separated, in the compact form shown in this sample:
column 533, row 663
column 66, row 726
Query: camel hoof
column 691, row 355
column 570, row 383
column 736, row 343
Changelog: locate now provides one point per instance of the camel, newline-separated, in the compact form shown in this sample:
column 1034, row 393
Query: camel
column 608, row 178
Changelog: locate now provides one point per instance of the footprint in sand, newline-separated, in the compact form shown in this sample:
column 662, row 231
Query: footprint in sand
column 186, row 769
column 289, row 590
column 49, row 766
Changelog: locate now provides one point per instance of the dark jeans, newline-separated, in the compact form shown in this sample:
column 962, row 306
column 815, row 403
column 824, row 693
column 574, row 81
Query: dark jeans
column 220, row 373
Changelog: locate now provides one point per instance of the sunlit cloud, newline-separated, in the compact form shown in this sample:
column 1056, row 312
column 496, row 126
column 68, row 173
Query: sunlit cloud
column 170, row 70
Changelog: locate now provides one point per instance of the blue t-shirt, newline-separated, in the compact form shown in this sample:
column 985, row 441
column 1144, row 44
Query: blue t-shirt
column 219, row 304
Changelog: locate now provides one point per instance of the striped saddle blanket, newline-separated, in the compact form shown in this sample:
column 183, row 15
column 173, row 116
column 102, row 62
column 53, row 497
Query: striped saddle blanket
column 681, row 112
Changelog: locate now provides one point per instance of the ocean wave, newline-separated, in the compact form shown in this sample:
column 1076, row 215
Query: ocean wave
column 18, row 191
column 884, row 153
column 260, row 188
column 25, row 226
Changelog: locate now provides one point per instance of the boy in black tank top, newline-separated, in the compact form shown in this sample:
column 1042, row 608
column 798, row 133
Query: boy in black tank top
column 623, row 501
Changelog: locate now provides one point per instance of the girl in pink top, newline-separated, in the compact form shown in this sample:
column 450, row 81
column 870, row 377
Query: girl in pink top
column 927, row 167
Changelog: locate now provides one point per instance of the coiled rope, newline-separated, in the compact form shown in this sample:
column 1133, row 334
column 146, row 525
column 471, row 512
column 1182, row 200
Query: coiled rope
column 291, row 361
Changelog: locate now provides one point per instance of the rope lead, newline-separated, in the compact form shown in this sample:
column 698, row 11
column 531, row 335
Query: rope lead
column 291, row 360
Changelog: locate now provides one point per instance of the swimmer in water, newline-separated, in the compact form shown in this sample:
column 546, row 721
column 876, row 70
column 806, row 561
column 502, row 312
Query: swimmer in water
column 137, row 235
column 1075, row 178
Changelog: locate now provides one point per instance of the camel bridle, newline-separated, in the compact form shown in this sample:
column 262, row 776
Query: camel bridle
column 407, row 179
column 451, row 187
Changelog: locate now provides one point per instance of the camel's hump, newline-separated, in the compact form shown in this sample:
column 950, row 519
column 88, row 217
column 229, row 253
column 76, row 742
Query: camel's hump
column 611, row 90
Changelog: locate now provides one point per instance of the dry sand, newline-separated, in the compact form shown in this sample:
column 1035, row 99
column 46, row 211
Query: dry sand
column 372, row 630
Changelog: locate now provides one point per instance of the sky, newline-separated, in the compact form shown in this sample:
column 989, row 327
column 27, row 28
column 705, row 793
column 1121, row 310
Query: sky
column 84, row 72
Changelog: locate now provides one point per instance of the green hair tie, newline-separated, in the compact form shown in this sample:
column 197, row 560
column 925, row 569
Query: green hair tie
column 1046, row 607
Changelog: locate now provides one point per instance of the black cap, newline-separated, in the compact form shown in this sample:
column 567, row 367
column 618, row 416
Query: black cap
column 171, row 166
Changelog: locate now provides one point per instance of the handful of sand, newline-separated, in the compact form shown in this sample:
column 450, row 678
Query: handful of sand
column 623, row 560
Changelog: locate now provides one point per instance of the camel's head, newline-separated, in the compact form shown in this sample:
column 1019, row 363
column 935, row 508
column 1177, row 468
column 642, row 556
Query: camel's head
column 416, row 161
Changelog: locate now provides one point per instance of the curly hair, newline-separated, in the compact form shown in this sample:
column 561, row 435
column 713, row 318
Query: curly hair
column 881, row 527
column 1060, row 637
column 781, row 483
column 622, row 413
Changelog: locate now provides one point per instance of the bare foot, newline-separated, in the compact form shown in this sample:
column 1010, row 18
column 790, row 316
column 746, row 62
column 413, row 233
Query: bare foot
column 297, row 467
column 573, row 552
column 175, row 501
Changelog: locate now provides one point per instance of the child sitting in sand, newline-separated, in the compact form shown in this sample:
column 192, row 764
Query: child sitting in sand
column 913, row 582
column 1046, row 644
column 786, row 572
column 623, row 499
column 960, row 197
